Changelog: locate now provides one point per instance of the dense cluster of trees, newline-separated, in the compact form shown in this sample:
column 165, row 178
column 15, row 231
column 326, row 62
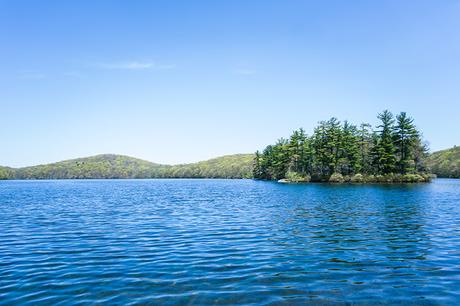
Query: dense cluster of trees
column 339, row 151
column 5, row 173
column 230, row 166
column 99, row 166
column 446, row 163
column 118, row 166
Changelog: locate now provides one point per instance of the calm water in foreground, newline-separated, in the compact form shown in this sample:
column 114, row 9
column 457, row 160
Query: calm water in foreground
column 228, row 242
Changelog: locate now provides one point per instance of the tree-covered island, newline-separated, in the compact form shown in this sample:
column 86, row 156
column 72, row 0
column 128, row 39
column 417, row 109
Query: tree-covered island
column 339, row 152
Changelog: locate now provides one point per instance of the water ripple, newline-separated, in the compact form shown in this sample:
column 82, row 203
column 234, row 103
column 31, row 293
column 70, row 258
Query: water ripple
column 227, row 242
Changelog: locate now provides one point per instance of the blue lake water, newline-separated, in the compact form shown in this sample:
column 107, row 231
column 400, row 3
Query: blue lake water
column 207, row 242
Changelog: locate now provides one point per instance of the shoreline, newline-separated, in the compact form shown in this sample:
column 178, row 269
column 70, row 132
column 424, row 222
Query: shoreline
column 338, row 178
column 281, row 181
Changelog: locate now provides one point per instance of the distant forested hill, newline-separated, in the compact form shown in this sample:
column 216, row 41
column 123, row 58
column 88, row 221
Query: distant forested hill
column 446, row 163
column 229, row 166
column 119, row 166
column 99, row 166
column 6, row 173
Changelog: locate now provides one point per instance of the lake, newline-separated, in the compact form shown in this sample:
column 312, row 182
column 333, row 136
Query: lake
column 208, row 242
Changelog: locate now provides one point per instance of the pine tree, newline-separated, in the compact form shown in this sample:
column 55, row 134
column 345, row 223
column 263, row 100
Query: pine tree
column 384, row 150
column 323, row 157
column 349, row 150
column 256, row 168
column 266, row 163
column 334, row 135
column 295, row 150
column 279, row 160
column 365, row 145
column 306, row 159
column 405, row 138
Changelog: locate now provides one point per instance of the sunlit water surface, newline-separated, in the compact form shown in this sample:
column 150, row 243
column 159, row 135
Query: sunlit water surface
column 229, row 242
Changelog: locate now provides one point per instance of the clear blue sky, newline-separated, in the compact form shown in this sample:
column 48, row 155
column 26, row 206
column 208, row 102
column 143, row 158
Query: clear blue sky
column 181, row 81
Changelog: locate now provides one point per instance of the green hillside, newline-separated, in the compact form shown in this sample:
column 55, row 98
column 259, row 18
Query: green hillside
column 6, row 173
column 229, row 166
column 118, row 166
column 99, row 166
column 446, row 163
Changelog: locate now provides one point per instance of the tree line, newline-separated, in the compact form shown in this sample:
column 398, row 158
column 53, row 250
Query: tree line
column 446, row 163
column 110, row 166
column 341, row 151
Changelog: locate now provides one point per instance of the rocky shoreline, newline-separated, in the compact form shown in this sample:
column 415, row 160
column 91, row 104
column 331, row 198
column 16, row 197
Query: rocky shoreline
column 338, row 178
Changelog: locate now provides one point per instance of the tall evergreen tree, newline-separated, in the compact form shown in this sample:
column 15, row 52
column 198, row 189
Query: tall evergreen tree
column 257, row 169
column 365, row 145
column 349, row 150
column 280, row 161
column 295, row 150
column 306, row 160
column 334, row 142
column 384, row 150
column 323, row 151
column 266, row 163
column 405, row 138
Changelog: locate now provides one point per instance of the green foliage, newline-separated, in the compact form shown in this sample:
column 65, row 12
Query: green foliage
column 99, row 166
column 337, row 152
column 327, row 147
column 357, row 178
column 349, row 156
column 392, row 178
column 296, row 177
column 365, row 140
column 5, row 173
column 445, row 163
column 336, row 178
column 384, row 147
column 256, row 167
column 109, row 166
column 412, row 178
column 406, row 137
column 274, row 161
column 230, row 166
